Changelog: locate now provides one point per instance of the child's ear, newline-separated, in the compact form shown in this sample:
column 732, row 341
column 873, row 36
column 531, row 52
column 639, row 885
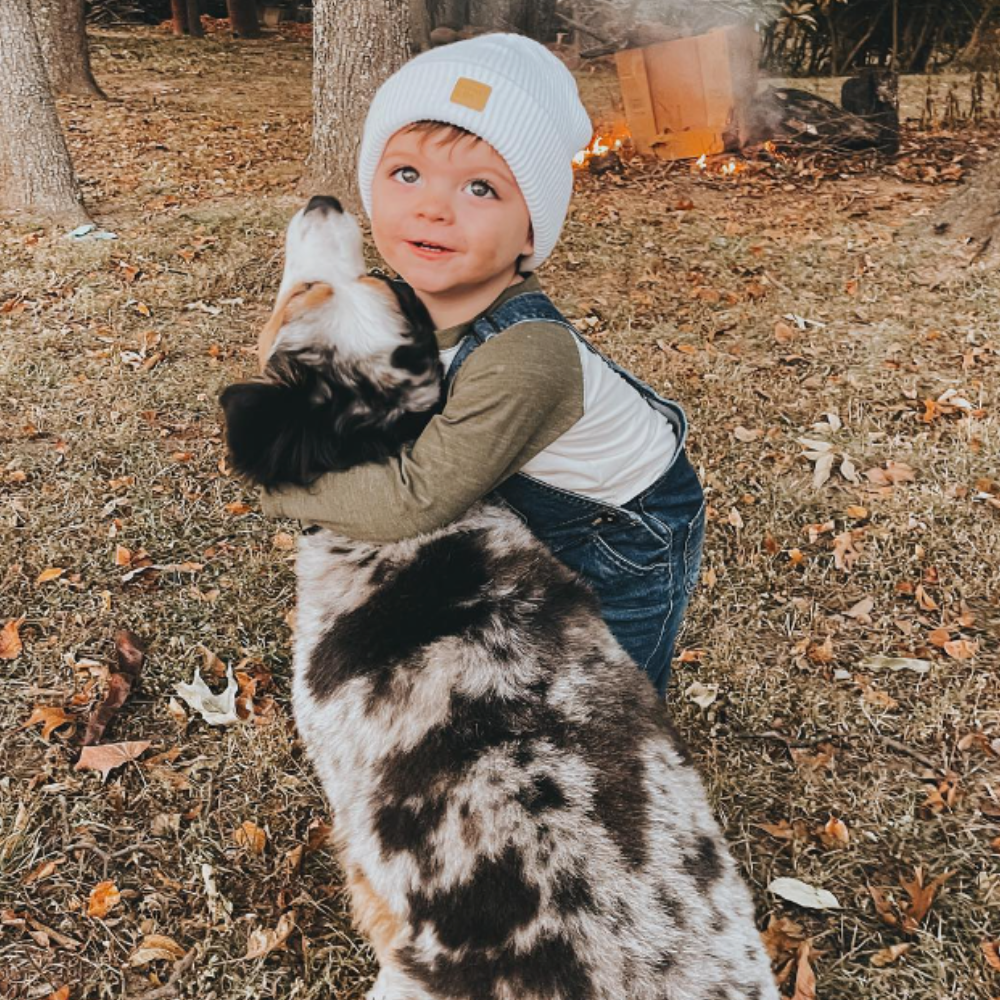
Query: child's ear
column 529, row 244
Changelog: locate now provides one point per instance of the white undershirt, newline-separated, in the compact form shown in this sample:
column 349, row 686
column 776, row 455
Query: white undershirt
column 614, row 451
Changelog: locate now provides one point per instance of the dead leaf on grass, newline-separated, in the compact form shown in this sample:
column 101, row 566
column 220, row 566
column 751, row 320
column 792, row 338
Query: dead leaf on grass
column 50, row 574
column 783, row 935
column 262, row 942
column 886, row 956
column 215, row 709
column 42, row 872
column 991, row 952
column 702, row 694
column 921, row 898
column 847, row 549
column 961, row 649
column 104, row 897
column 49, row 718
column 10, row 639
column 250, row 836
column 108, row 756
column 803, row 894
column 805, row 978
column 131, row 654
column 862, row 611
column 60, row 994
column 834, row 834
column 156, row 948
column 895, row 664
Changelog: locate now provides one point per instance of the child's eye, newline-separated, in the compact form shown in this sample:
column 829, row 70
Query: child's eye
column 481, row 189
column 406, row 175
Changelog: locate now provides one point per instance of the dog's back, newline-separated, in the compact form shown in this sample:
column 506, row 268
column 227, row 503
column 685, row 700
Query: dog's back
column 515, row 816
column 506, row 782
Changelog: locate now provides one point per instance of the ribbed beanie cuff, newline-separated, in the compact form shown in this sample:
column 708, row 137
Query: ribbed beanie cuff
column 508, row 90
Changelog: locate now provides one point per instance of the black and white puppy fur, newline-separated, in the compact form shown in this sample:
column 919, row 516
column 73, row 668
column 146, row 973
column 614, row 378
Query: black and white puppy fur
column 516, row 818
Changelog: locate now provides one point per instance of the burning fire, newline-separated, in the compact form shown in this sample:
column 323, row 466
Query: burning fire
column 728, row 169
column 602, row 143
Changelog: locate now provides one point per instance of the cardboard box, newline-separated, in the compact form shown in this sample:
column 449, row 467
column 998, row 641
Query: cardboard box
column 691, row 95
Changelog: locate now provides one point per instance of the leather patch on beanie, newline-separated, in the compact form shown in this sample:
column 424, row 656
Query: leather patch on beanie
column 471, row 93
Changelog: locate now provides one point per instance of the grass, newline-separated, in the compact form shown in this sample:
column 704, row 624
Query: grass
column 114, row 354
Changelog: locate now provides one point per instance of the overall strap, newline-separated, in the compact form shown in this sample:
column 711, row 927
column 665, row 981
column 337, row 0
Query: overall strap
column 532, row 307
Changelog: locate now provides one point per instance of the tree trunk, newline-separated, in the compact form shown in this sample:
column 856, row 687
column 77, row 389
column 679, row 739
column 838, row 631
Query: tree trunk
column 243, row 18
column 420, row 26
column 357, row 44
column 61, row 29
column 449, row 14
column 973, row 213
column 179, row 17
column 499, row 15
column 194, row 19
column 35, row 171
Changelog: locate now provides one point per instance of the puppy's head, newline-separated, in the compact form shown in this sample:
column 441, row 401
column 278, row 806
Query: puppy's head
column 352, row 370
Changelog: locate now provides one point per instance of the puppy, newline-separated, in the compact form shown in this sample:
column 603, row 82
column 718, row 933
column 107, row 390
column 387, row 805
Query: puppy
column 516, row 818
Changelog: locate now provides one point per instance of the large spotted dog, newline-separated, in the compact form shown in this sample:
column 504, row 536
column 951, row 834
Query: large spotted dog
column 514, row 814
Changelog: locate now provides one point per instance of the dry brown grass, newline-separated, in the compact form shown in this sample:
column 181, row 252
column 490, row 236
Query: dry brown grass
column 194, row 170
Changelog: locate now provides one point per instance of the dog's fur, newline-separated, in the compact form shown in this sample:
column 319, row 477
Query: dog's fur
column 515, row 816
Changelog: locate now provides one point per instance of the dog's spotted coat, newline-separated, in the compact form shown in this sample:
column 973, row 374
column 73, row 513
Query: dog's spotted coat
column 515, row 815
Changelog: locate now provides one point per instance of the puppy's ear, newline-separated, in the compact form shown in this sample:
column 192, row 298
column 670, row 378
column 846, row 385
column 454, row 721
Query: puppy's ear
column 413, row 310
column 271, row 432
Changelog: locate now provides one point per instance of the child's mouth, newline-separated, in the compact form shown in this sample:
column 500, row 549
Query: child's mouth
column 429, row 249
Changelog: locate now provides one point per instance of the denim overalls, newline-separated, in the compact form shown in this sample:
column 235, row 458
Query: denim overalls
column 642, row 558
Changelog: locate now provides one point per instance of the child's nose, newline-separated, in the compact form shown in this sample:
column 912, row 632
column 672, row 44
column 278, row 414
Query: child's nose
column 434, row 205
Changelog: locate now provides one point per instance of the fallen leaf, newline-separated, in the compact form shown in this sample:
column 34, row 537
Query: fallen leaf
column 846, row 550
column 782, row 830
column 702, row 694
column 895, row 663
column 215, row 709
column 805, row 978
column 238, row 508
column 735, row 519
column 861, row 611
column 921, row 898
column 156, row 948
column 803, row 894
column 783, row 935
column 961, row 649
column 262, row 942
column 60, row 994
column 104, row 897
column 834, row 834
column 939, row 637
column 47, row 575
column 991, row 951
column 50, row 718
column 886, row 956
column 131, row 654
column 745, row 435
column 251, row 837
column 42, row 872
column 106, row 757
column 10, row 639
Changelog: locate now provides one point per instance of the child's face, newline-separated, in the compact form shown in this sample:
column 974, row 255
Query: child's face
column 449, row 217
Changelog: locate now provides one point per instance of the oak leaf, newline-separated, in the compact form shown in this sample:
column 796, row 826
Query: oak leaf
column 921, row 898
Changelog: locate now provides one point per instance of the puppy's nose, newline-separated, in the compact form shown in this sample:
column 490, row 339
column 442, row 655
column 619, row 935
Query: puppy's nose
column 324, row 203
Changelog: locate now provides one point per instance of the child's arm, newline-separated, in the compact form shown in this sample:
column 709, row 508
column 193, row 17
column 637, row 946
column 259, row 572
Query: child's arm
column 513, row 397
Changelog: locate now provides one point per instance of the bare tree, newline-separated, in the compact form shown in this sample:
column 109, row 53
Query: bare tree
column 36, row 175
column 61, row 28
column 356, row 45
column 243, row 18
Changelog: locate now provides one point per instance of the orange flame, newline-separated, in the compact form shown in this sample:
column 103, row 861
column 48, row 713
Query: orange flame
column 605, row 142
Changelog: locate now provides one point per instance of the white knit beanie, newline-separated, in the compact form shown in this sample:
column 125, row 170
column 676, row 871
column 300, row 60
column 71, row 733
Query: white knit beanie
column 508, row 90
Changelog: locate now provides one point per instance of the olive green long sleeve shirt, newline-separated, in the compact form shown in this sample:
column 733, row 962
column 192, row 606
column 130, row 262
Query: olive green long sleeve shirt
column 512, row 398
